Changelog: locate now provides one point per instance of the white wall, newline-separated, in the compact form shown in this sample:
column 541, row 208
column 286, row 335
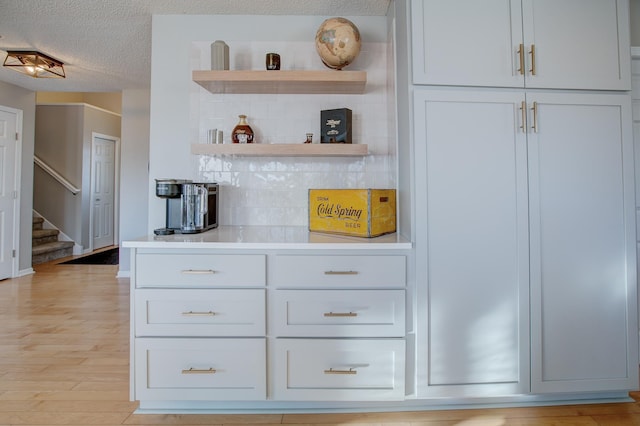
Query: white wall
column 25, row 100
column 134, row 166
column 274, row 190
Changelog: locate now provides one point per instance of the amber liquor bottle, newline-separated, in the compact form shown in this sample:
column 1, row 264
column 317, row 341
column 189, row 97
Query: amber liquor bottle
column 242, row 133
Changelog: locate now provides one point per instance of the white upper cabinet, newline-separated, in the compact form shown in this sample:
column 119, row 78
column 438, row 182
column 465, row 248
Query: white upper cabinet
column 570, row 44
column 466, row 42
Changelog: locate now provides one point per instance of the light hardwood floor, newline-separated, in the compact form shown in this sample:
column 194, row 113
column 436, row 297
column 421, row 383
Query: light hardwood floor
column 64, row 355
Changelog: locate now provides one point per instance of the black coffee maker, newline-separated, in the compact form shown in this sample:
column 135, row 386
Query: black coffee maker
column 192, row 207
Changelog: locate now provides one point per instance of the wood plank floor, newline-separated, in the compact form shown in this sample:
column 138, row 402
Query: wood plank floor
column 64, row 355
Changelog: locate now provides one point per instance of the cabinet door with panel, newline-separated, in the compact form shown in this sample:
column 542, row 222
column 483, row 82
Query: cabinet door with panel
column 583, row 277
column 577, row 44
column 466, row 42
column 472, row 246
column 572, row 44
column 534, row 194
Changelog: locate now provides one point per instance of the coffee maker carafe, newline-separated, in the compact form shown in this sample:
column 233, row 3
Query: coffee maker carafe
column 194, row 207
column 190, row 207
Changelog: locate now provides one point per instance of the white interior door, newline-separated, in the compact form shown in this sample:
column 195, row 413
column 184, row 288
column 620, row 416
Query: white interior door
column 9, row 220
column 102, row 191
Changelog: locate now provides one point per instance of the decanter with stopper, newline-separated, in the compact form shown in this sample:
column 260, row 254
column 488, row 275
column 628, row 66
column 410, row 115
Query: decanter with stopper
column 242, row 133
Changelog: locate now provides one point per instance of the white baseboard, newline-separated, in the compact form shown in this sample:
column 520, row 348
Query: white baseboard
column 24, row 272
column 123, row 274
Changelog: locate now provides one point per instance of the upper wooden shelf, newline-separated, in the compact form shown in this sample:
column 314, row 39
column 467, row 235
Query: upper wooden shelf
column 283, row 150
column 283, row 81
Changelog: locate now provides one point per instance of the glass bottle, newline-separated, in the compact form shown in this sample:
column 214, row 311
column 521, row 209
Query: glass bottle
column 309, row 138
column 242, row 133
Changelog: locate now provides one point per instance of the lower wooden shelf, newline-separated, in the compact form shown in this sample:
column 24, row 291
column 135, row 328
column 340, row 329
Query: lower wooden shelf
column 283, row 150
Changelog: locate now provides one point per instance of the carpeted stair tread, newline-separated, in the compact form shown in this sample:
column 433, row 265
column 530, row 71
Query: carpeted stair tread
column 41, row 233
column 52, row 246
column 37, row 222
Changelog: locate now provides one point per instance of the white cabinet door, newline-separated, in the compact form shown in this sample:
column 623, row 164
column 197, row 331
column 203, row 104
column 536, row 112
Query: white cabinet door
column 578, row 44
column 583, row 277
column 472, row 243
column 466, row 42
column 573, row 44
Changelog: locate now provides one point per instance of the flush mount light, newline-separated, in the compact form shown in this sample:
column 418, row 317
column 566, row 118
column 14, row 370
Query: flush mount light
column 34, row 64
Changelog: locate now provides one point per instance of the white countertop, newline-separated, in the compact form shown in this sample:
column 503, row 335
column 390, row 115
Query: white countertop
column 268, row 237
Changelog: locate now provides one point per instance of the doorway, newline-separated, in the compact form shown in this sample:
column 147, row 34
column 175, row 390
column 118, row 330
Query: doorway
column 10, row 155
column 104, row 190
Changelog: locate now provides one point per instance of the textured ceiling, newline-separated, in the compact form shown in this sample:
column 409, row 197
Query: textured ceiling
column 106, row 44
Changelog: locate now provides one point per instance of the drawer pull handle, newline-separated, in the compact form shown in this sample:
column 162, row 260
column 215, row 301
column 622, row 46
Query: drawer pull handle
column 340, row 314
column 332, row 371
column 197, row 371
column 199, row 314
column 341, row 272
column 198, row 271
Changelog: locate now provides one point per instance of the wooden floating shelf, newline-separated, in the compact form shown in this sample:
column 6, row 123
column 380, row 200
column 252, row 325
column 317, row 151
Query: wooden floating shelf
column 283, row 150
column 283, row 81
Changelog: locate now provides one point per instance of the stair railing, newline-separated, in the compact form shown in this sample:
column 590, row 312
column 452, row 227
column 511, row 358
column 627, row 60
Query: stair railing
column 57, row 176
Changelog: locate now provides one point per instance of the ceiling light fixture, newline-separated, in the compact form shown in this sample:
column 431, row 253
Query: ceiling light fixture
column 34, row 64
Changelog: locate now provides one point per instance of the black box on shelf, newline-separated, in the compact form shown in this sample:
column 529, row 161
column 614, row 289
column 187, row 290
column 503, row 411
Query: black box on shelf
column 335, row 125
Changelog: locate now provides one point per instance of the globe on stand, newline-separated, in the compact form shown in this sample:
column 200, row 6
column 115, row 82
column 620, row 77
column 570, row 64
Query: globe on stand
column 338, row 42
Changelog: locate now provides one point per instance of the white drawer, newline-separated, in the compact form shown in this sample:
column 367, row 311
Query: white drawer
column 338, row 369
column 200, row 369
column 338, row 313
column 194, row 312
column 200, row 270
column 338, row 271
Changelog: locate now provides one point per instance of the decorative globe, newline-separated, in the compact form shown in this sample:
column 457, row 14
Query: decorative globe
column 338, row 42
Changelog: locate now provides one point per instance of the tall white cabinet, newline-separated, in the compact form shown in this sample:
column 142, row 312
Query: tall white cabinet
column 582, row 227
column 524, row 196
column 473, row 287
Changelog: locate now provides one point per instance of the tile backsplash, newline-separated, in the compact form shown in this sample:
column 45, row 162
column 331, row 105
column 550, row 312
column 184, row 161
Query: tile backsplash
column 274, row 190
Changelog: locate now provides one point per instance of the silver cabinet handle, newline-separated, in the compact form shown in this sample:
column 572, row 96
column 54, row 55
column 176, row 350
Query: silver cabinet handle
column 198, row 271
column 341, row 272
column 340, row 314
column 349, row 371
column 199, row 314
column 197, row 371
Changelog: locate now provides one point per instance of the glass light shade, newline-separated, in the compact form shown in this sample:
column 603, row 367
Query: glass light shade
column 34, row 64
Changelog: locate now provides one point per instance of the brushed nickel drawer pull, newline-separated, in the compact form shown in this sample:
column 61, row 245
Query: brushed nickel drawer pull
column 340, row 314
column 341, row 272
column 198, row 271
column 332, row 371
column 197, row 371
column 199, row 314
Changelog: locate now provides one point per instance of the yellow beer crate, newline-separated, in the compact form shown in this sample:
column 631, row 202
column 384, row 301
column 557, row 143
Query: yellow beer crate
column 359, row 212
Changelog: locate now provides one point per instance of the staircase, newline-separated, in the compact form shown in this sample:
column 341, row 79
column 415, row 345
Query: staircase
column 45, row 244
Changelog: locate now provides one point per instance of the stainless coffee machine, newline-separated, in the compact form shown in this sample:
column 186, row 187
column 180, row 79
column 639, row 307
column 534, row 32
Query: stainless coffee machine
column 192, row 207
